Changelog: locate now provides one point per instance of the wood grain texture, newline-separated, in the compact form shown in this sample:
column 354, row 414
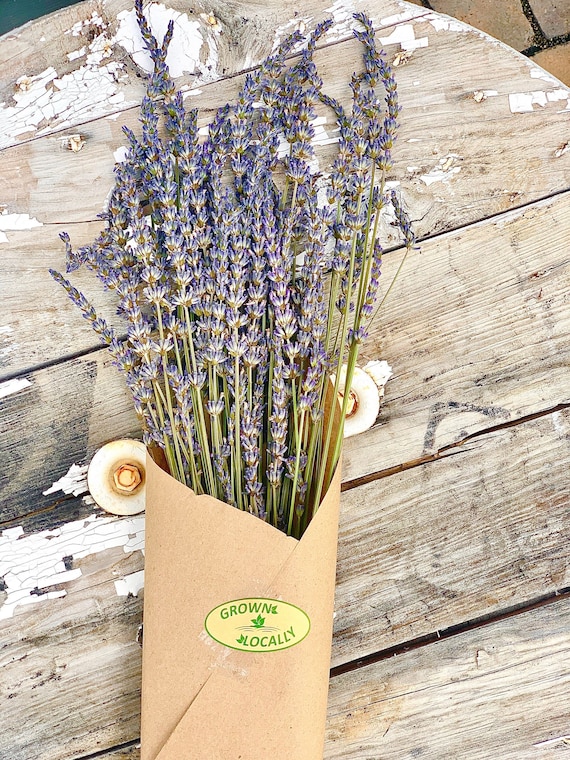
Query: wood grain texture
column 433, row 547
column 234, row 36
column 60, row 418
column 480, row 530
column 71, row 676
column 477, row 331
column 127, row 753
column 501, row 691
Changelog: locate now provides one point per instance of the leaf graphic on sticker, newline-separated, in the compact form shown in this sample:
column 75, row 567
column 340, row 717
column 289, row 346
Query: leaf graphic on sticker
column 274, row 610
column 241, row 639
column 258, row 622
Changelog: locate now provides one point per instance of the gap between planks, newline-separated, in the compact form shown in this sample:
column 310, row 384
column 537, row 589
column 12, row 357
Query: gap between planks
column 448, row 450
column 453, row 630
column 435, row 237
column 475, row 681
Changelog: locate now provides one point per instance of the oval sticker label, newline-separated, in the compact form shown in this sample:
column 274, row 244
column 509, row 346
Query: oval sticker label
column 257, row 625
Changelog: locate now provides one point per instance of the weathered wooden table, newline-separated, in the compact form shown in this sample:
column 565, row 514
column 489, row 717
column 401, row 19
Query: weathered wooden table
column 452, row 632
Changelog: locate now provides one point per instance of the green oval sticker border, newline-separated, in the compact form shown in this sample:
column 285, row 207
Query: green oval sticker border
column 252, row 624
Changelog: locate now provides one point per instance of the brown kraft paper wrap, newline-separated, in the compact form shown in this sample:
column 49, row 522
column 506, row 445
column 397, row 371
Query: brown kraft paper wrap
column 202, row 700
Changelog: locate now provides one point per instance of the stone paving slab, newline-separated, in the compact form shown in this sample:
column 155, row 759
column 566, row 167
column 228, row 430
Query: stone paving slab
column 538, row 28
column 553, row 16
column 503, row 19
column 556, row 60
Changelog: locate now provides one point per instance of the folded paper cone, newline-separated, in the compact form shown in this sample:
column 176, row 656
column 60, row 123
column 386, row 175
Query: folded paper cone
column 237, row 629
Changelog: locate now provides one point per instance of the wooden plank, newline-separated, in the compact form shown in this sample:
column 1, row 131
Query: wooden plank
column 476, row 331
column 39, row 325
column 420, row 551
column 87, row 48
column 471, row 346
column 458, row 698
column 82, row 692
column 126, row 753
column 56, row 418
column 498, row 692
column 441, row 156
column 478, row 531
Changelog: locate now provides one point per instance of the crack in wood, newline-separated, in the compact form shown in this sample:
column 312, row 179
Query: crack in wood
column 454, row 630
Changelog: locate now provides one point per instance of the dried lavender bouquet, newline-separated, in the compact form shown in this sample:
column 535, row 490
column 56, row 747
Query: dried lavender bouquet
column 246, row 276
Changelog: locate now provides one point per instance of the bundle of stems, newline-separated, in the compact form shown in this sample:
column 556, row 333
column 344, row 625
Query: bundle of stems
column 247, row 277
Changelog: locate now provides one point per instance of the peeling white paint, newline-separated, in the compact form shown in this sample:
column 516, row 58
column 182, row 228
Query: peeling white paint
column 405, row 36
column 343, row 22
column 9, row 387
column 88, row 92
column 74, row 481
column 7, row 343
column 397, row 18
column 121, row 154
column 186, row 92
column 524, row 102
column 445, row 169
column 537, row 73
column 184, row 51
column 12, row 222
column 81, row 26
column 130, row 584
column 75, row 54
column 31, row 563
column 555, row 95
column 321, row 136
column 282, row 32
column 46, row 100
column 446, row 23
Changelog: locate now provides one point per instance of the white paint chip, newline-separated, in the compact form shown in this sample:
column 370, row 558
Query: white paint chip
column 130, row 584
column 537, row 73
column 87, row 92
column 343, row 22
column 283, row 31
column 446, row 24
column 121, row 154
column 405, row 36
column 445, row 169
column 73, row 482
column 9, row 387
column 184, row 51
column 10, row 222
column 555, row 95
column 523, row 102
column 77, row 54
column 31, row 563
